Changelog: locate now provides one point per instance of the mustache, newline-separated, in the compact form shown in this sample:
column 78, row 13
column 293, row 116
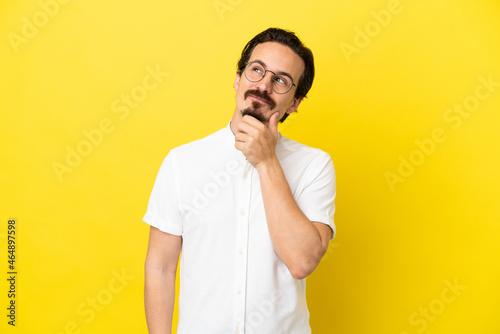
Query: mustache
column 262, row 95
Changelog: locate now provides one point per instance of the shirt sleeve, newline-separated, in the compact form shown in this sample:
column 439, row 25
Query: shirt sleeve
column 163, row 207
column 317, row 199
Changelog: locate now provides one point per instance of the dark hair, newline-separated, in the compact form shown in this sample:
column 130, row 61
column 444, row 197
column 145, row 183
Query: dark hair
column 287, row 38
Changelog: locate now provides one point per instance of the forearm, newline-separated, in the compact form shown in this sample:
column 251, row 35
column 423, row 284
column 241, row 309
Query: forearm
column 159, row 299
column 295, row 239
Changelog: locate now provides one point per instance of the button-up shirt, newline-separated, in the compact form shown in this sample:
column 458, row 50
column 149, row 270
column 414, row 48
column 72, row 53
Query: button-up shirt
column 231, row 279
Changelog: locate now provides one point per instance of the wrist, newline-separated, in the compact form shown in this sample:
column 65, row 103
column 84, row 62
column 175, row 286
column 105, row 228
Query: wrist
column 269, row 166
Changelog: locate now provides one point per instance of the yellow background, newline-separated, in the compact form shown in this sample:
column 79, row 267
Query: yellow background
column 399, row 245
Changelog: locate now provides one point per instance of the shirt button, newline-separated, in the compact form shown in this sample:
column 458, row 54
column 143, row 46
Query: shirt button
column 242, row 212
column 238, row 292
column 237, row 330
column 240, row 252
column 245, row 176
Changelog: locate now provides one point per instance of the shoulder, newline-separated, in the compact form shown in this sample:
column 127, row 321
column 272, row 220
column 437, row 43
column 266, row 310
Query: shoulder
column 204, row 142
column 304, row 163
column 291, row 149
column 201, row 147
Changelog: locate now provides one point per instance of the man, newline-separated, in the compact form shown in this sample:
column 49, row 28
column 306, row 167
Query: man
column 251, row 210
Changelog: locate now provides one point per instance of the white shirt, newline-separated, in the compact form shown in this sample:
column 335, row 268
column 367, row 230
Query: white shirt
column 231, row 280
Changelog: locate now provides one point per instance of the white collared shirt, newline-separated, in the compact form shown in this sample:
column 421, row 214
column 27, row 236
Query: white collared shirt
column 231, row 280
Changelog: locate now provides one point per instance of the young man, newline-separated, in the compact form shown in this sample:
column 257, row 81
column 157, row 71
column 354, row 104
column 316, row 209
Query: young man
column 251, row 210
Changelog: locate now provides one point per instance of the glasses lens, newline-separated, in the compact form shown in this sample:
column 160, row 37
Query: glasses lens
column 254, row 72
column 282, row 83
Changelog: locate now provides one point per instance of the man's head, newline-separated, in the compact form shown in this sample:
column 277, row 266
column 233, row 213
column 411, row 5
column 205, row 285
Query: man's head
column 273, row 62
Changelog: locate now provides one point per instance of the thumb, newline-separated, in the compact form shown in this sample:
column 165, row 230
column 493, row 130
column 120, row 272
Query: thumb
column 273, row 123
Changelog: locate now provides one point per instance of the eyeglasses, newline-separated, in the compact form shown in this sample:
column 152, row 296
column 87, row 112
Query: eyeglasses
column 281, row 83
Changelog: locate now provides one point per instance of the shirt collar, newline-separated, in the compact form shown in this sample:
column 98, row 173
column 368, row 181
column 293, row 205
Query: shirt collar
column 229, row 139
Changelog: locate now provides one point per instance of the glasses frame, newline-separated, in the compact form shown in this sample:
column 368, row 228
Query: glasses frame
column 263, row 76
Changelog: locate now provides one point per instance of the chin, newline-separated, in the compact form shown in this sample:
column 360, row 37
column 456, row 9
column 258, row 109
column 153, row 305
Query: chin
column 255, row 113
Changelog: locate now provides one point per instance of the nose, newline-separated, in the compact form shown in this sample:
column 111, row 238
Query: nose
column 266, row 84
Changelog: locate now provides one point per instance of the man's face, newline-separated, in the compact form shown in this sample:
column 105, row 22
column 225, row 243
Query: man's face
column 258, row 98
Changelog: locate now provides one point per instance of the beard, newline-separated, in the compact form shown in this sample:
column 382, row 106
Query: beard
column 255, row 111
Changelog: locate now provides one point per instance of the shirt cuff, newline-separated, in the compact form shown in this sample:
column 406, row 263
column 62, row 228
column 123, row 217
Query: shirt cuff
column 327, row 221
column 162, row 225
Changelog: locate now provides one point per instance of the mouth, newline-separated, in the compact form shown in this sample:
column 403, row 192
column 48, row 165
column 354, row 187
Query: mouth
column 258, row 99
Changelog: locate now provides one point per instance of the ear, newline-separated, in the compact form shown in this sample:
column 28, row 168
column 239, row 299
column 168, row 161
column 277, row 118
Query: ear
column 293, row 107
column 237, row 80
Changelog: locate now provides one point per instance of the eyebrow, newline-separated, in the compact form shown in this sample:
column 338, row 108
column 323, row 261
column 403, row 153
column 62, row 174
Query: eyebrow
column 264, row 64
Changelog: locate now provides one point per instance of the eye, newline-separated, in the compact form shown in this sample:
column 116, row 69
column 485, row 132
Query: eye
column 257, row 69
column 282, row 80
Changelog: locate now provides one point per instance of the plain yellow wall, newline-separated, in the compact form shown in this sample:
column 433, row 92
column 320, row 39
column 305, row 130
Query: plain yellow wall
column 405, row 101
